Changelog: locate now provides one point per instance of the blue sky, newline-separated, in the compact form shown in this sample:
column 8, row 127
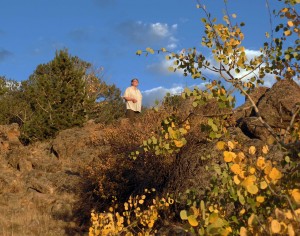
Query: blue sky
column 107, row 33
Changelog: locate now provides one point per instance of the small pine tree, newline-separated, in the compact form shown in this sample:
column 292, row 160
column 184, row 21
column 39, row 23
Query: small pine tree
column 57, row 96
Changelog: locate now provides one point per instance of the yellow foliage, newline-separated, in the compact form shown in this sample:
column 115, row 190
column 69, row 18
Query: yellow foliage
column 235, row 168
column 192, row 220
column 249, row 180
column 268, row 167
column 263, row 185
column 107, row 224
column 253, row 189
column 260, row 199
column 275, row 227
column 243, row 231
column 220, row 145
column 265, row 149
column 252, row 170
column 231, row 145
column 229, row 156
column 252, row 150
column 236, row 180
column 275, row 174
column 260, row 163
column 178, row 143
column 295, row 193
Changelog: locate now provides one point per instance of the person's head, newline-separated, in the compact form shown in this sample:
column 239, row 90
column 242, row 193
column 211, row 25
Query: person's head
column 134, row 82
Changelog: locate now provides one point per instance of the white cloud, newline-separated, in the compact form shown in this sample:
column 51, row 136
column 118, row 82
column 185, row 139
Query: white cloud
column 159, row 29
column 153, row 34
column 157, row 94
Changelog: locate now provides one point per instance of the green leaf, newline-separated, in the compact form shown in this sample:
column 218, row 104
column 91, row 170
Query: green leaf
column 242, row 199
column 183, row 215
column 287, row 159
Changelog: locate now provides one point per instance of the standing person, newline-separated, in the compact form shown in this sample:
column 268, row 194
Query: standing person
column 133, row 98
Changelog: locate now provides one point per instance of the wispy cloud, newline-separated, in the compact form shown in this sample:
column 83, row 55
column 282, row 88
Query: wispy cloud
column 153, row 34
column 4, row 54
column 157, row 94
column 162, row 68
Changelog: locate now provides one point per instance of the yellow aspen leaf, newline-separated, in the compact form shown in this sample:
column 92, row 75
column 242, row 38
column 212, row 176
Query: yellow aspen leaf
column 252, row 150
column 275, row 227
column 252, row 170
column 170, row 200
column 297, row 212
column 242, row 174
column 260, row 199
column 249, row 180
column 253, row 189
column 287, row 33
column 236, row 180
column 290, row 23
column 231, row 145
column 268, row 167
column 241, row 156
column 289, row 215
column 178, row 143
column 243, row 231
column 263, row 185
column 151, row 223
column 291, row 231
column 213, row 218
column 284, row 9
column 192, row 220
column 260, row 163
column 275, row 174
column 220, row 145
column 265, row 149
column 226, row 231
column 183, row 215
column 229, row 156
column 138, row 52
column 195, row 211
column 251, row 219
column 141, row 201
column 233, row 15
column 235, row 168
column 295, row 193
column 242, row 212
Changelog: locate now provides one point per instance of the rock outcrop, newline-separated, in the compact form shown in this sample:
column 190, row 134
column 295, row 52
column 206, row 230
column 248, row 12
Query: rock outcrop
column 276, row 106
column 40, row 183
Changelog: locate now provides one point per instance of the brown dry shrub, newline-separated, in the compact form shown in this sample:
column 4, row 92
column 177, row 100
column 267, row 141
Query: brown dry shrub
column 114, row 174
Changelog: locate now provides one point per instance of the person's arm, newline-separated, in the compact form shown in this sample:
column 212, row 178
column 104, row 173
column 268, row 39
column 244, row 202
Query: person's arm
column 127, row 98
column 130, row 99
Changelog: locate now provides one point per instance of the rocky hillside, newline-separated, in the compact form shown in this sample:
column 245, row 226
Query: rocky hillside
column 42, row 186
